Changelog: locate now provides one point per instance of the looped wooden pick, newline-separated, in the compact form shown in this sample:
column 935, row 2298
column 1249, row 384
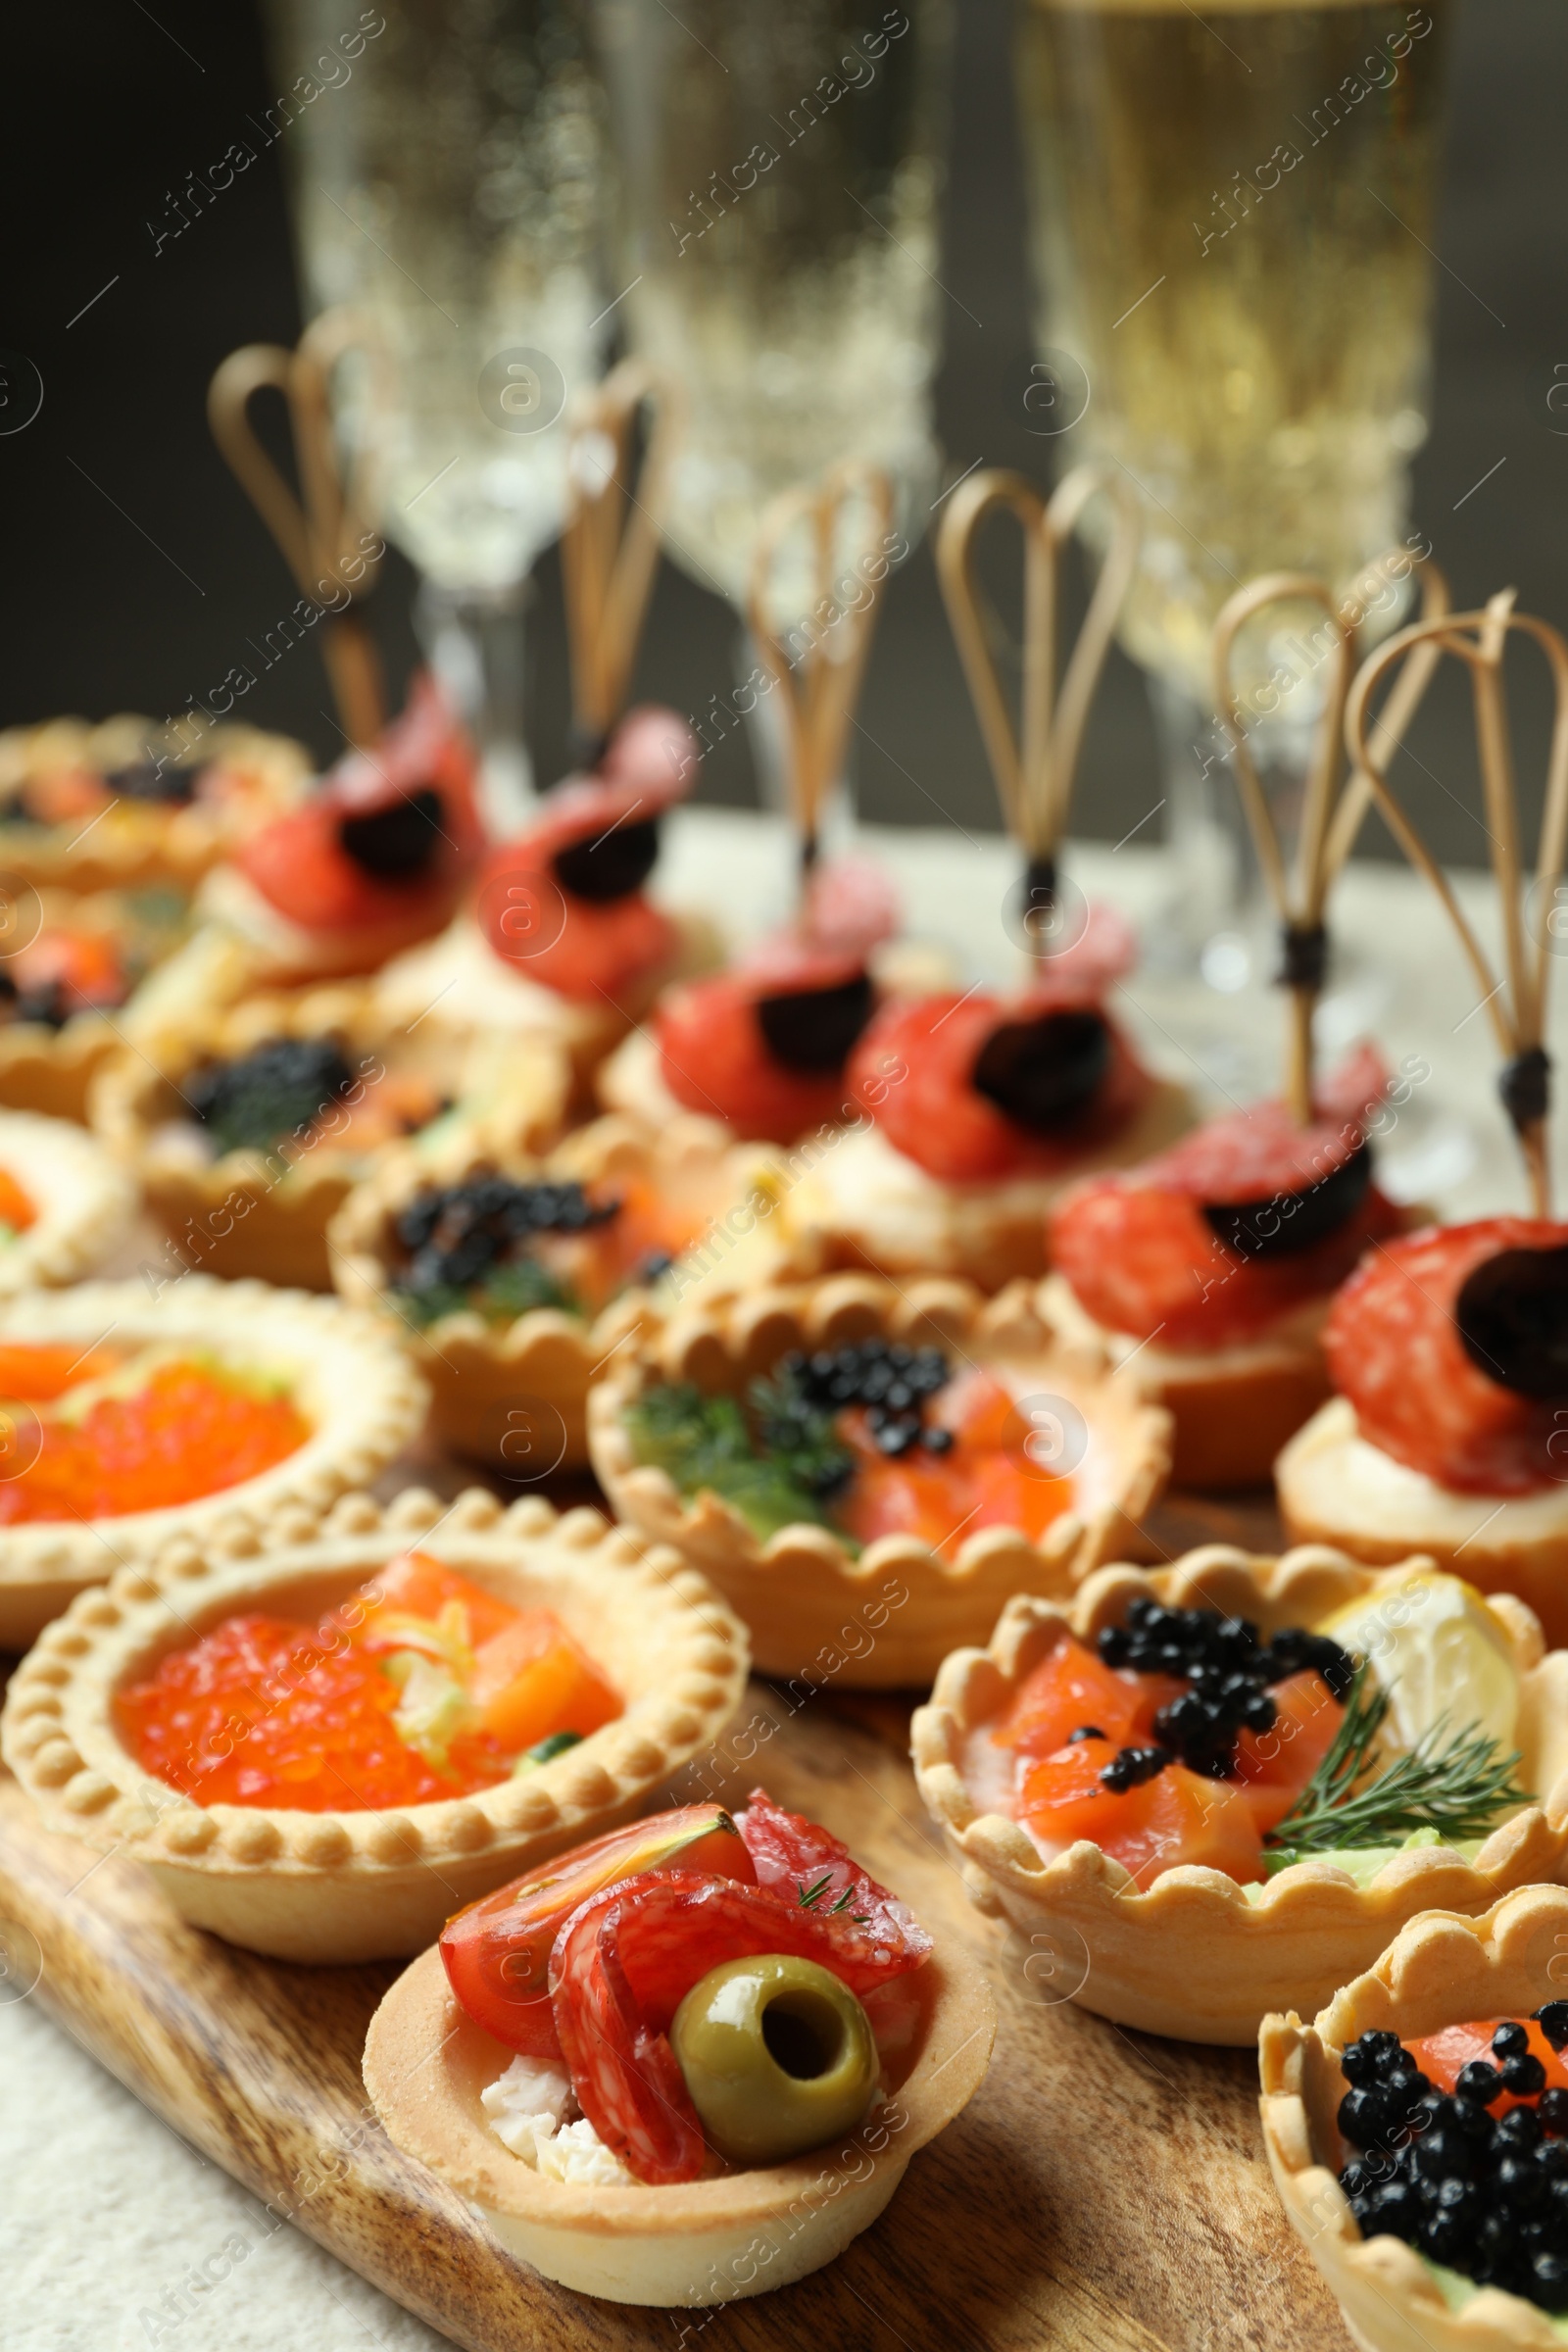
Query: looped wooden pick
column 318, row 529
column 818, row 661
column 1516, row 1000
column 1333, row 810
column 610, row 546
column 1033, row 765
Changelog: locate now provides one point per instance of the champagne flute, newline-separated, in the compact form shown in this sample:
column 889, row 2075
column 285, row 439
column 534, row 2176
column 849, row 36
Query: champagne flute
column 781, row 170
column 1232, row 219
column 446, row 191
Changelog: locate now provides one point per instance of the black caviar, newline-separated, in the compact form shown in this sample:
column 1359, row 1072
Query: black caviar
column 277, row 1090
column 1485, row 2195
column 1228, row 1672
column 893, row 1381
column 465, row 1236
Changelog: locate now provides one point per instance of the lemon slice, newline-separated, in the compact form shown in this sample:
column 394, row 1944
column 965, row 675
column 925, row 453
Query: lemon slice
column 1439, row 1653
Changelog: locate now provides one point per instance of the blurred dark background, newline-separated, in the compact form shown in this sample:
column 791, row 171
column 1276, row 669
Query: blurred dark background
column 136, row 571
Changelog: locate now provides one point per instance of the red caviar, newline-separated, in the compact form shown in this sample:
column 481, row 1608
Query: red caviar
column 265, row 1711
column 188, row 1432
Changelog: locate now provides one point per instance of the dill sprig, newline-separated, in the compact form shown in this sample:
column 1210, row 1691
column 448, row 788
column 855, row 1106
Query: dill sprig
column 1456, row 1783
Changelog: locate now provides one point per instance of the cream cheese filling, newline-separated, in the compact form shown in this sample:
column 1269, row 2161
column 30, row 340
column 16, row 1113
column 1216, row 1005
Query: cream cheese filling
column 1332, row 1477
column 1287, row 1336
column 528, row 2107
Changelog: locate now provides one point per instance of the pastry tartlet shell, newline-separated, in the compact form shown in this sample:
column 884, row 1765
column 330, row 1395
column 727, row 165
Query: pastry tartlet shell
column 804, row 1591
column 372, row 1884
column 702, row 2241
column 244, row 1214
column 85, row 1204
column 516, row 1394
column 1229, row 1418
column 1465, row 1534
column 374, row 1406
column 990, row 1232
column 1191, row 1957
column 136, row 842
column 1440, row 1969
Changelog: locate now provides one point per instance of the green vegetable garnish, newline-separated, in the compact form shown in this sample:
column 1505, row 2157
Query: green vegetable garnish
column 555, row 1744
column 1454, row 1783
column 506, row 1292
column 703, row 1442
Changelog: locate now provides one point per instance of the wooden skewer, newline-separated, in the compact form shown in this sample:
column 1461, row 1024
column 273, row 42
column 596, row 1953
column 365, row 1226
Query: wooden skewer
column 820, row 679
column 1516, row 1002
column 1332, row 812
column 610, row 546
column 1034, row 765
column 320, row 528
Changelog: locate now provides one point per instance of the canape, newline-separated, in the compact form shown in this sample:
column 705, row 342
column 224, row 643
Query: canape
column 515, row 1282
column 136, row 1413
column 320, row 1741
column 978, row 1112
column 1449, row 1432
column 1220, row 1789
column 690, row 2064
column 98, row 807
column 563, row 936
column 248, row 1130
column 73, row 992
column 373, row 860
column 1208, row 1271
column 762, row 1048
column 65, row 1206
column 1415, row 2130
column 870, row 1471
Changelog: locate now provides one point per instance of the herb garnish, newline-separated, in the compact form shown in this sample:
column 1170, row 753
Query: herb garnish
column 708, row 1442
column 1455, row 1782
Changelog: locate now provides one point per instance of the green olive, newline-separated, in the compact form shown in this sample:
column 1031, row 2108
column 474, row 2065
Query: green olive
column 778, row 2056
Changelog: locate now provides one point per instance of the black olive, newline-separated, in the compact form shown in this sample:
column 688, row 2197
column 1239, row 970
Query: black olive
column 612, row 862
column 1284, row 1222
column 1044, row 1073
column 815, row 1028
column 396, row 843
column 1512, row 1320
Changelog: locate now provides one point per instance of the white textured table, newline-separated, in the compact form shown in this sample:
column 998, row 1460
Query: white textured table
column 115, row 2235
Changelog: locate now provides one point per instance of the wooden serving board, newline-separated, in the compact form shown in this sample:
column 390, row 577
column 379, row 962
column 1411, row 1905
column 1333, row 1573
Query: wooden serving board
column 1105, row 2191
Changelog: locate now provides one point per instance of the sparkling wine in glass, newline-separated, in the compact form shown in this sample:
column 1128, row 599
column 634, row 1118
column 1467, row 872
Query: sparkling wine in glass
column 1232, row 221
column 447, row 190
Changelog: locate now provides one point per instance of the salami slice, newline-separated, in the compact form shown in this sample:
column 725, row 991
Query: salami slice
column 716, row 1056
column 624, row 1963
column 914, row 1070
column 1395, row 1350
column 792, row 1856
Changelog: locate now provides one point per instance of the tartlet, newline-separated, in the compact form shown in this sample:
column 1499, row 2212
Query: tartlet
column 74, row 992
column 82, row 1205
column 512, row 1390
column 1438, row 1971
column 1232, row 1409
column 360, row 1398
column 1194, row 1956
column 376, row 858
column 371, row 1884
column 98, row 807
column 1447, row 1437
column 1209, row 1270
column 686, row 2242
column 885, row 1617
column 263, row 1208
column 561, row 936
